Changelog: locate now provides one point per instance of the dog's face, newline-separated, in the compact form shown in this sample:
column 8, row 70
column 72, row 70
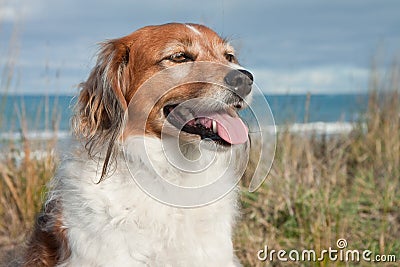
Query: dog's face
column 125, row 64
column 214, row 116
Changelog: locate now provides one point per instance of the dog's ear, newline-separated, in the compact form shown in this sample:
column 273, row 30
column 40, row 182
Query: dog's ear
column 99, row 112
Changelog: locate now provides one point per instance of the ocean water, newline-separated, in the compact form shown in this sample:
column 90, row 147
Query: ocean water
column 41, row 115
column 36, row 113
column 321, row 108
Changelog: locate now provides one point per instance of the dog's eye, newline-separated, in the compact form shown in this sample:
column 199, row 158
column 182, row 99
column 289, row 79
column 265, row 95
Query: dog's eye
column 230, row 57
column 180, row 57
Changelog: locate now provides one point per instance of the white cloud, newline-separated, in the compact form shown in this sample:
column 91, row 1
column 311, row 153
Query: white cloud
column 18, row 10
column 326, row 79
column 8, row 13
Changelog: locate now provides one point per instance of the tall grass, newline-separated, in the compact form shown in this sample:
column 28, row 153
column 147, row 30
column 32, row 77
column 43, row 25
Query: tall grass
column 25, row 165
column 22, row 186
column 324, row 188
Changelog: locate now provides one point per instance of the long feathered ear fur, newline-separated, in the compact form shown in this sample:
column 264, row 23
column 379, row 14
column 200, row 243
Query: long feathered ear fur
column 99, row 112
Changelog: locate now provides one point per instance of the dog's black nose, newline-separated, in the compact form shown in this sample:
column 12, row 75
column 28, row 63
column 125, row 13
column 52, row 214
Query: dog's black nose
column 239, row 81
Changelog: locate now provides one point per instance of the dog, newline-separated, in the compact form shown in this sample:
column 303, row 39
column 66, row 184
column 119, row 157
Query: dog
column 95, row 213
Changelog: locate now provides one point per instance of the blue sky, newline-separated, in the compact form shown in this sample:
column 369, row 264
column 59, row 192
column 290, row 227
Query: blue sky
column 290, row 46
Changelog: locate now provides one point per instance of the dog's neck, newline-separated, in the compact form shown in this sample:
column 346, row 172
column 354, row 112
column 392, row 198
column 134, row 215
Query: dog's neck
column 186, row 164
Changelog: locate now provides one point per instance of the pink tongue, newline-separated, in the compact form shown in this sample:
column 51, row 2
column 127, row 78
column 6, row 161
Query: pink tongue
column 231, row 129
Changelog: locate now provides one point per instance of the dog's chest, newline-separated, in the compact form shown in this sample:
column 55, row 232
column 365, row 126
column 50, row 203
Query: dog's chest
column 116, row 224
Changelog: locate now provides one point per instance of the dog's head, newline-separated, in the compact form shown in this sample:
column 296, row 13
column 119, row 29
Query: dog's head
column 125, row 64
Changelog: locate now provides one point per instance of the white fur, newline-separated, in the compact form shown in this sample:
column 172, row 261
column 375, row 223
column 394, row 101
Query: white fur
column 114, row 223
column 196, row 31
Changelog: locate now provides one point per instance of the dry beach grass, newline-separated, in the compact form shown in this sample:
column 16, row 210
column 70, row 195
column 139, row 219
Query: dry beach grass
column 322, row 189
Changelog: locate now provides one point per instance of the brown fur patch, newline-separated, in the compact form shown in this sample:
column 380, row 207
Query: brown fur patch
column 48, row 245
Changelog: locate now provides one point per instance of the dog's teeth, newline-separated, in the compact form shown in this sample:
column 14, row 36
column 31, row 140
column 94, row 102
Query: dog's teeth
column 214, row 126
